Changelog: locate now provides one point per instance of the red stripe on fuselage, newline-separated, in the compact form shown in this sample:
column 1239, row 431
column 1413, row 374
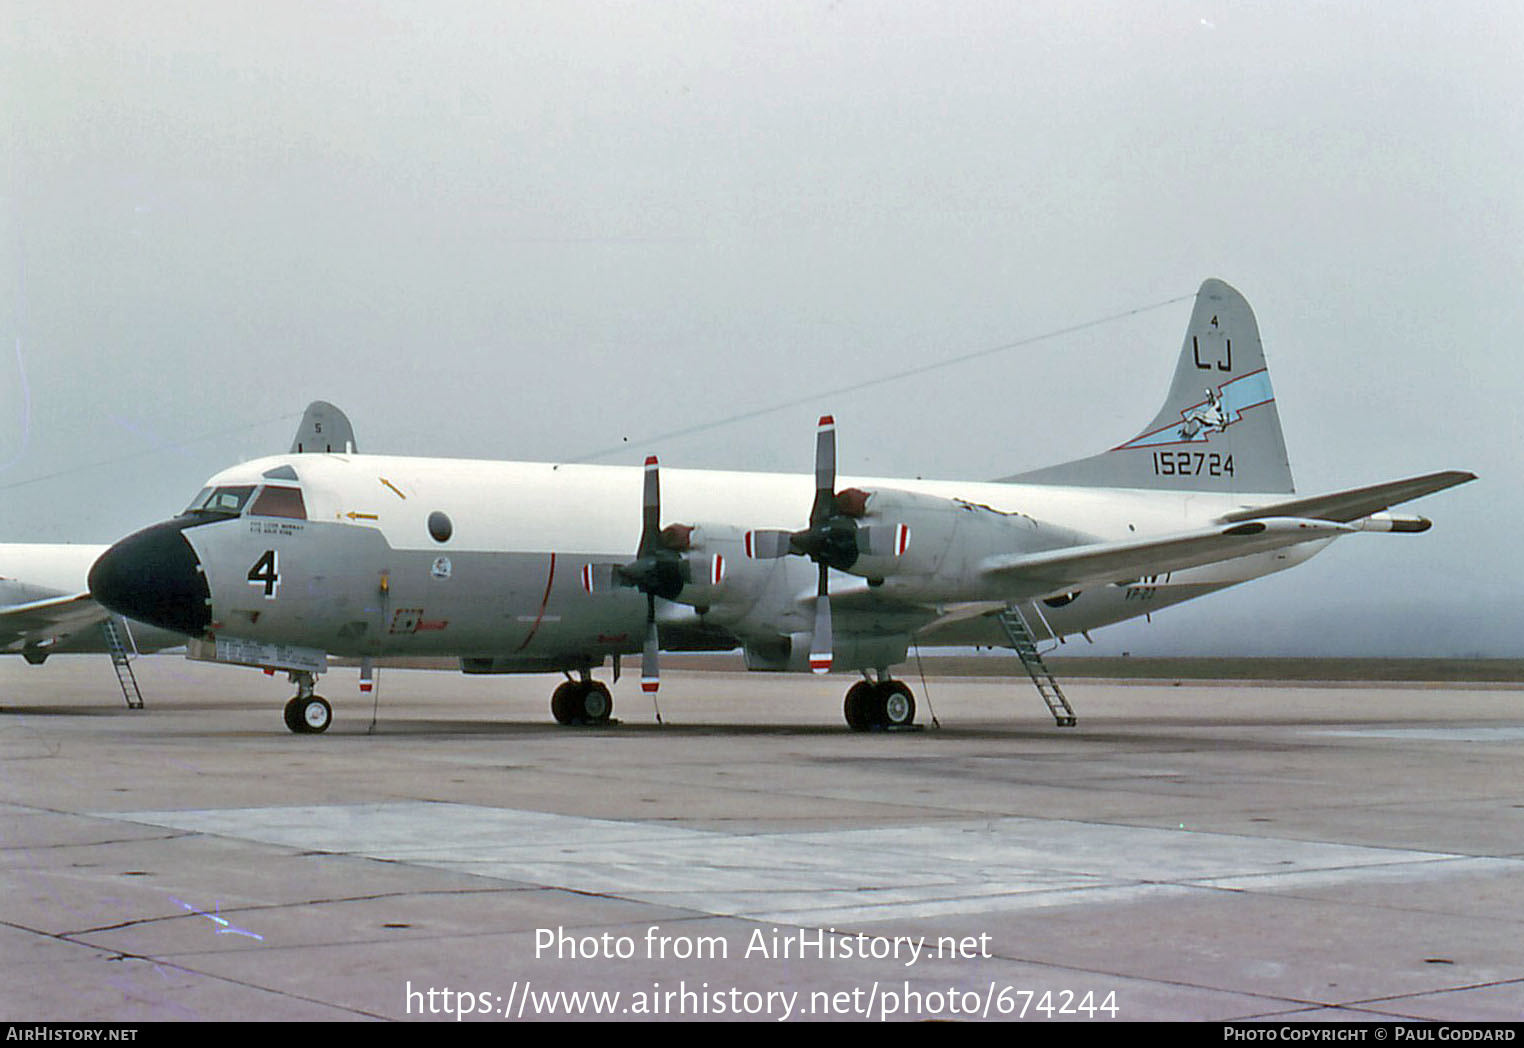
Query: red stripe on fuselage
column 549, row 578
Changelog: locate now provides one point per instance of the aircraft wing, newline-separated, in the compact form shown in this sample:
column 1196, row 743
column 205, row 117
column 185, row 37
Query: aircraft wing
column 1345, row 506
column 1019, row 576
column 42, row 621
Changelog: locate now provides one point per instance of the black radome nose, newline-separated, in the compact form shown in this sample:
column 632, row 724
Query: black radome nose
column 154, row 576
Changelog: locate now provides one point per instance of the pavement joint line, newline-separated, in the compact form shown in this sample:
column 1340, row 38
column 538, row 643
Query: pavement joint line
column 277, row 906
column 1488, row 985
column 117, row 955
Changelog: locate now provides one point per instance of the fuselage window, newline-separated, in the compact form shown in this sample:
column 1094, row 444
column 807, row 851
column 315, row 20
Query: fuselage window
column 440, row 527
column 280, row 502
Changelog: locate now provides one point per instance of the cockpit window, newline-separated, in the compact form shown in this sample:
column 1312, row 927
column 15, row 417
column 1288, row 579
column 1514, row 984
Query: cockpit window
column 229, row 500
column 279, row 502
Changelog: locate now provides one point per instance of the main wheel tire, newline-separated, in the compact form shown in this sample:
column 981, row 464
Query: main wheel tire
column 858, row 706
column 897, row 704
column 597, row 703
column 565, row 702
column 316, row 714
column 293, row 715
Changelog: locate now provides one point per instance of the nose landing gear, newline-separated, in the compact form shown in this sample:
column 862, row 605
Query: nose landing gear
column 307, row 713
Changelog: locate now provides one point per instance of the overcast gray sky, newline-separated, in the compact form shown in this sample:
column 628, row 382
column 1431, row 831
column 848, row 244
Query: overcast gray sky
column 534, row 230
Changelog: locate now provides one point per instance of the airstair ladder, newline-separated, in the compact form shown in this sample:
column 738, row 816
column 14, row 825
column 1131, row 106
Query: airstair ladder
column 1020, row 634
column 121, row 660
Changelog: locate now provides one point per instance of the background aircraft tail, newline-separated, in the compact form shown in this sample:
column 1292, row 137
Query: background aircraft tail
column 1218, row 429
column 324, row 428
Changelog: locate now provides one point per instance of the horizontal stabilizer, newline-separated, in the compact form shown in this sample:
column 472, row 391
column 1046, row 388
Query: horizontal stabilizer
column 1024, row 575
column 1345, row 506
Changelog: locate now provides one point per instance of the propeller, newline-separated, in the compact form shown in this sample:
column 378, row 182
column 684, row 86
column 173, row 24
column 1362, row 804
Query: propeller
column 658, row 570
column 833, row 538
column 663, row 567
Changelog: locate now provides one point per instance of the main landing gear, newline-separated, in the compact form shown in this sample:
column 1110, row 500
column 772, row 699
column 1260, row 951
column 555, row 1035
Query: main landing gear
column 584, row 701
column 883, row 704
column 307, row 713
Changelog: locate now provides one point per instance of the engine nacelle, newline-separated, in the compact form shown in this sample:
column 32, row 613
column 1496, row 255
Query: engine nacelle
column 706, row 566
column 791, row 653
column 718, row 574
column 927, row 547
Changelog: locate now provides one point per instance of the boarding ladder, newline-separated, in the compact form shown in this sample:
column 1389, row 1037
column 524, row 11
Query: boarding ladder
column 118, row 637
column 1020, row 634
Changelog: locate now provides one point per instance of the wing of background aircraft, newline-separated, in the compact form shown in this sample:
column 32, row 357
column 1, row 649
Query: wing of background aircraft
column 36, row 628
column 45, row 606
column 45, row 610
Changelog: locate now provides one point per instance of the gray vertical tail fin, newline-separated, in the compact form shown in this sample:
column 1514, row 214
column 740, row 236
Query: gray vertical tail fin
column 324, row 428
column 1218, row 429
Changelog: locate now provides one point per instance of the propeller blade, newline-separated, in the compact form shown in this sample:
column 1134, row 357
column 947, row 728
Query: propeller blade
column 650, row 509
column 821, row 645
column 825, row 470
column 650, row 659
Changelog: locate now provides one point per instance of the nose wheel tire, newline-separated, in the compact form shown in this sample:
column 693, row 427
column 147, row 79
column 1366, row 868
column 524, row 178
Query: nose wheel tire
column 308, row 716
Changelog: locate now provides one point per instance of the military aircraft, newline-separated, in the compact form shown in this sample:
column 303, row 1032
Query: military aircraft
column 517, row 567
